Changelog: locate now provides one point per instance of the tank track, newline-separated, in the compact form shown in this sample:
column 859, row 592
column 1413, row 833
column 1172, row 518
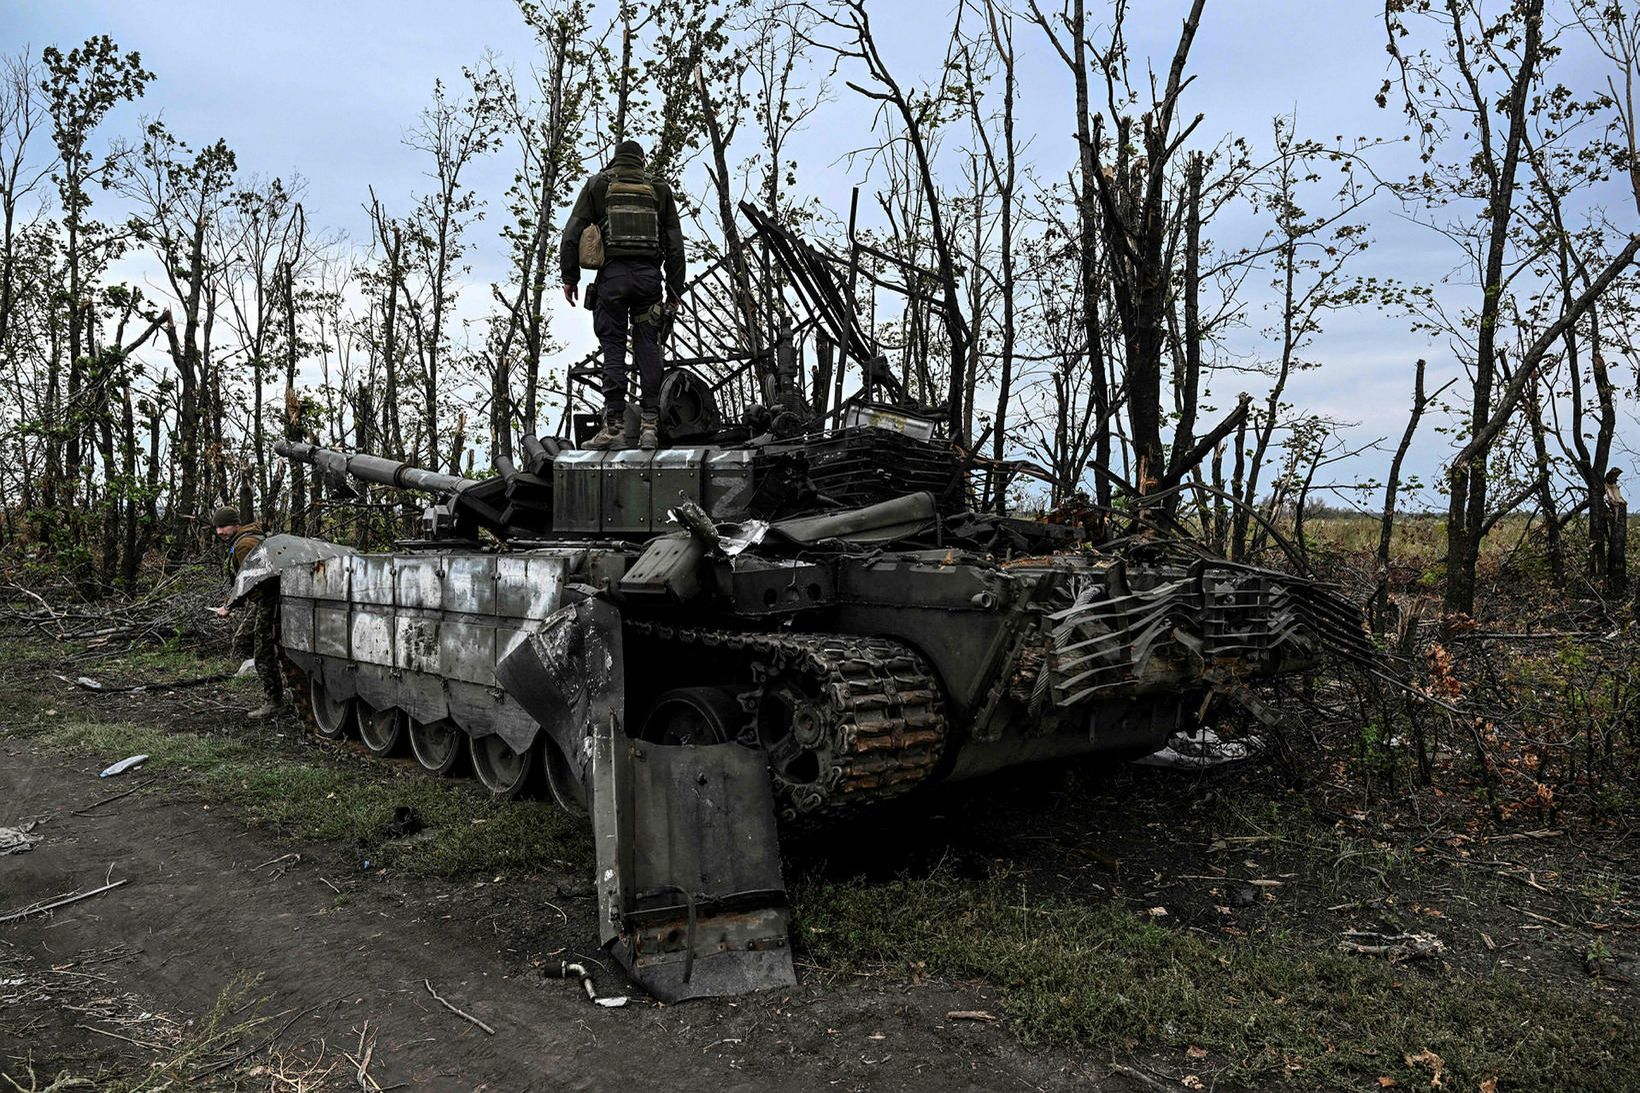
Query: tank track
column 872, row 716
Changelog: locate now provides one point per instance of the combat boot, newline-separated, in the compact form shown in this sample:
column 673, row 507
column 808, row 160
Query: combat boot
column 613, row 432
column 270, row 708
column 649, row 432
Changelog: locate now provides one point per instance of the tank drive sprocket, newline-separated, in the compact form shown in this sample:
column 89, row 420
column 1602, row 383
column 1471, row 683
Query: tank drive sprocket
column 846, row 721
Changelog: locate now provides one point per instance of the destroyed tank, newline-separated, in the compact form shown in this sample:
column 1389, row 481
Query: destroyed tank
column 780, row 622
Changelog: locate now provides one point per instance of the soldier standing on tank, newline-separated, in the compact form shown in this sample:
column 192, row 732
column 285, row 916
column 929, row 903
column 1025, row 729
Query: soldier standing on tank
column 243, row 538
column 642, row 239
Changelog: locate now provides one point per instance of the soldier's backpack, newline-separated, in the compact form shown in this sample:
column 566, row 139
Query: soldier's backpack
column 632, row 223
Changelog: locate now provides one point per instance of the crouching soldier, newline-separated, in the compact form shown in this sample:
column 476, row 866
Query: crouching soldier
column 261, row 602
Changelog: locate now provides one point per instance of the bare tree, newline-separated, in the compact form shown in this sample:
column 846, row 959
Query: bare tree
column 386, row 284
column 1003, row 170
column 849, row 17
column 1072, row 18
column 22, row 114
column 1133, row 201
column 260, row 239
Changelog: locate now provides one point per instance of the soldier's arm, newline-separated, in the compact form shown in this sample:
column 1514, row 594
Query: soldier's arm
column 569, row 247
column 672, row 245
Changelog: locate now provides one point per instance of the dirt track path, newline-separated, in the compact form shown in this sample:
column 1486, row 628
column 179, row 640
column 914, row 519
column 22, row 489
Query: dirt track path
column 199, row 913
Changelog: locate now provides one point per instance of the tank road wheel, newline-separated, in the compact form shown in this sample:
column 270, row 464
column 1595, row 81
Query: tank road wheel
column 502, row 771
column 381, row 731
column 332, row 716
column 562, row 781
column 437, row 745
column 694, row 715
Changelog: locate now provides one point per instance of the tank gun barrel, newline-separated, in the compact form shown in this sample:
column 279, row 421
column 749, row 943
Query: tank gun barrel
column 372, row 468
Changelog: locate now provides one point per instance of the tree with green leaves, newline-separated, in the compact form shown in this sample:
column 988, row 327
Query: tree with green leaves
column 1479, row 88
column 453, row 132
column 81, row 87
column 543, row 119
column 180, row 194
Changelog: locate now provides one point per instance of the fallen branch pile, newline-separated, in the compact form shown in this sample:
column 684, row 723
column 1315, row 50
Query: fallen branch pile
column 178, row 605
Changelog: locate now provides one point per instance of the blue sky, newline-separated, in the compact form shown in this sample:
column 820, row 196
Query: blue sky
column 327, row 90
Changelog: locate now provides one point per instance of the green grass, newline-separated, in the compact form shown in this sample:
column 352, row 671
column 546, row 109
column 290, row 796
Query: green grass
column 1423, row 535
column 1275, row 1009
column 172, row 661
column 330, row 799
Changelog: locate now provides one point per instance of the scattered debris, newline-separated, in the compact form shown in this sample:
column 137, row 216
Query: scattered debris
column 970, row 1015
column 1436, row 1064
column 114, row 797
column 367, row 1048
column 283, row 861
column 117, row 1036
column 1201, row 750
column 1393, row 947
column 1147, row 1080
column 37, row 908
column 406, row 821
column 86, row 683
column 171, row 607
column 126, row 764
column 428, row 983
column 568, row 970
column 19, row 839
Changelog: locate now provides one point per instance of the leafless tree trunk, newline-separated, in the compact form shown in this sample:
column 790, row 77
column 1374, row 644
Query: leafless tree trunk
column 1392, row 489
column 888, row 92
column 1074, row 21
column 1133, row 200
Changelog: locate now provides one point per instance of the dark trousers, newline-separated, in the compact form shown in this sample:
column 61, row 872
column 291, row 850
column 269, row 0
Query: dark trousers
column 626, row 291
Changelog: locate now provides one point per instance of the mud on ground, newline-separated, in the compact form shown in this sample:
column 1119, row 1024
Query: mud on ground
column 1072, row 927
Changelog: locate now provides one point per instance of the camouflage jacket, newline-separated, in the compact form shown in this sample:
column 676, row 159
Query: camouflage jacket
column 245, row 540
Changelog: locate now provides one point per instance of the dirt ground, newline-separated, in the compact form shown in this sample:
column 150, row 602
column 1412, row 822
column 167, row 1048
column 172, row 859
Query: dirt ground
column 199, row 915
column 285, row 962
column 245, row 958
